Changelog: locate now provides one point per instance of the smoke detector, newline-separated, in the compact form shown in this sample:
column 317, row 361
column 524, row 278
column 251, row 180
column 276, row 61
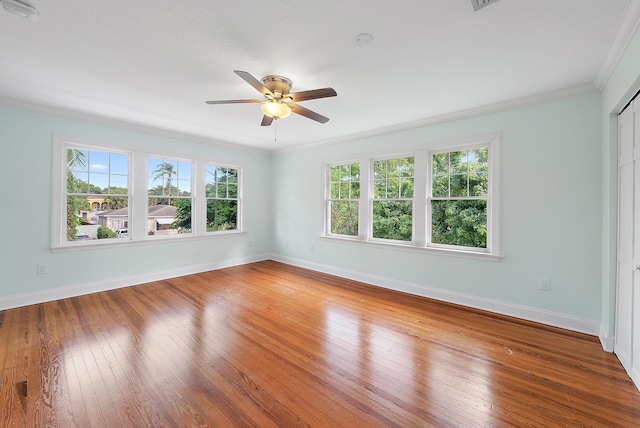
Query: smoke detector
column 479, row 4
column 20, row 9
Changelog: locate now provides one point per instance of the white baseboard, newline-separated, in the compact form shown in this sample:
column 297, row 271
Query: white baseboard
column 531, row 314
column 111, row 284
column 635, row 377
column 606, row 340
column 554, row 319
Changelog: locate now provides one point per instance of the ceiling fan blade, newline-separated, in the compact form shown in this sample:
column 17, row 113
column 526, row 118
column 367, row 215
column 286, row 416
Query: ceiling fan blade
column 234, row 101
column 266, row 120
column 313, row 94
column 247, row 77
column 308, row 113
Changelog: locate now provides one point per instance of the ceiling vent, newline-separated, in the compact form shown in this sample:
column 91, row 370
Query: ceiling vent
column 479, row 4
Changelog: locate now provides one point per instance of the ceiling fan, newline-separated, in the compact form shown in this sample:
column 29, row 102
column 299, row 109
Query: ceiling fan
column 278, row 102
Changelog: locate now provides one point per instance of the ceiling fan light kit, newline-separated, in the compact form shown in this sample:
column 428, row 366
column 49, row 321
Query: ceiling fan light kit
column 275, row 109
column 279, row 101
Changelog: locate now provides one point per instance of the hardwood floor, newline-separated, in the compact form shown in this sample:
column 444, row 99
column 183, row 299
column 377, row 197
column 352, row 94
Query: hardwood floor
column 269, row 345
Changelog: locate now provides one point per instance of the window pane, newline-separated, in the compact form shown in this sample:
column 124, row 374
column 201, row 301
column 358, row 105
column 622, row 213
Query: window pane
column 162, row 216
column 210, row 190
column 459, row 185
column 355, row 172
column 182, row 222
column 460, row 223
column 406, row 188
column 393, row 188
column 98, row 162
column 393, row 220
column 379, row 189
column 233, row 190
column 458, row 162
column 222, row 190
column 118, row 184
column 335, row 190
column 344, row 190
column 76, row 205
column 440, row 164
column 222, row 215
column 162, row 174
column 379, row 169
column 119, row 164
column 344, row 217
column 98, row 182
column 77, row 182
column 441, row 186
column 406, row 167
column 184, row 187
column 355, row 189
column 113, row 222
column 77, row 160
column 479, row 160
column 478, row 184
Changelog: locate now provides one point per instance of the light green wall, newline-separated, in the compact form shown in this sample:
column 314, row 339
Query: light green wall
column 25, row 179
column 623, row 83
column 551, row 210
column 558, row 214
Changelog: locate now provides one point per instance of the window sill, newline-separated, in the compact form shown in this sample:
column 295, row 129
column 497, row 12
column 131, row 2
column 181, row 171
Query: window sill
column 96, row 244
column 412, row 248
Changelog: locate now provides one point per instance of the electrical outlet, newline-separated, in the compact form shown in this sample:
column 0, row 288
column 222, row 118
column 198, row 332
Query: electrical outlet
column 545, row 285
column 42, row 269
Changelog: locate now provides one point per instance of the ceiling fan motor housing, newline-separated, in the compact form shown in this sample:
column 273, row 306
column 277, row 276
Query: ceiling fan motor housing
column 277, row 84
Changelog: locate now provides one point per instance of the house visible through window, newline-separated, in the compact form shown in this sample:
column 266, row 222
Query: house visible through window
column 94, row 201
column 96, row 183
column 169, row 193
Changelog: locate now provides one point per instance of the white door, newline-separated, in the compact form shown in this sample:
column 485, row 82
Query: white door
column 625, row 296
column 635, row 326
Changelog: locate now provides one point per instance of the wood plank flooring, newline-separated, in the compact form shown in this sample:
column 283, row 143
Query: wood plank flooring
column 271, row 345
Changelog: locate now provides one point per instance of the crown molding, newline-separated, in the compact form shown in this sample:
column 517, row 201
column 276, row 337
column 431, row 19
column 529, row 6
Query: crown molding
column 124, row 125
column 561, row 94
column 625, row 31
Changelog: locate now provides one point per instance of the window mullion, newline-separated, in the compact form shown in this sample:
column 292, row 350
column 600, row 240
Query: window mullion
column 364, row 205
column 420, row 181
column 138, row 202
column 198, row 220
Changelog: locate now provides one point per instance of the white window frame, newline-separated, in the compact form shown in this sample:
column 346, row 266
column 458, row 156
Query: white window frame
column 327, row 199
column 422, row 193
column 138, row 196
column 371, row 199
column 192, row 197
column 239, row 198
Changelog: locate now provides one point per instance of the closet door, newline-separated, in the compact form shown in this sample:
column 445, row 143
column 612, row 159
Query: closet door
column 625, row 295
column 635, row 326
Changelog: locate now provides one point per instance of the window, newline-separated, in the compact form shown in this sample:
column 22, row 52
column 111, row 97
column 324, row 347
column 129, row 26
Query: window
column 97, row 185
column 392, row 207
column 459, row 195
column 111, row 195
column 221, row 190
column 344, row 195
column 169, row 194
column 442, row 197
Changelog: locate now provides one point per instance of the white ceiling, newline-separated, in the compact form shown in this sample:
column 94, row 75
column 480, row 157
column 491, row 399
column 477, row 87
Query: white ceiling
column 154, row 63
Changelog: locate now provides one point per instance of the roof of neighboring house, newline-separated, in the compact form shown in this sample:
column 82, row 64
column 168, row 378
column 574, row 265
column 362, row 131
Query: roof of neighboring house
column 154, row 211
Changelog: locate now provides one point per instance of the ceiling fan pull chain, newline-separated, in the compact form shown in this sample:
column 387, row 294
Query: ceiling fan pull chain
column 275, row 131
